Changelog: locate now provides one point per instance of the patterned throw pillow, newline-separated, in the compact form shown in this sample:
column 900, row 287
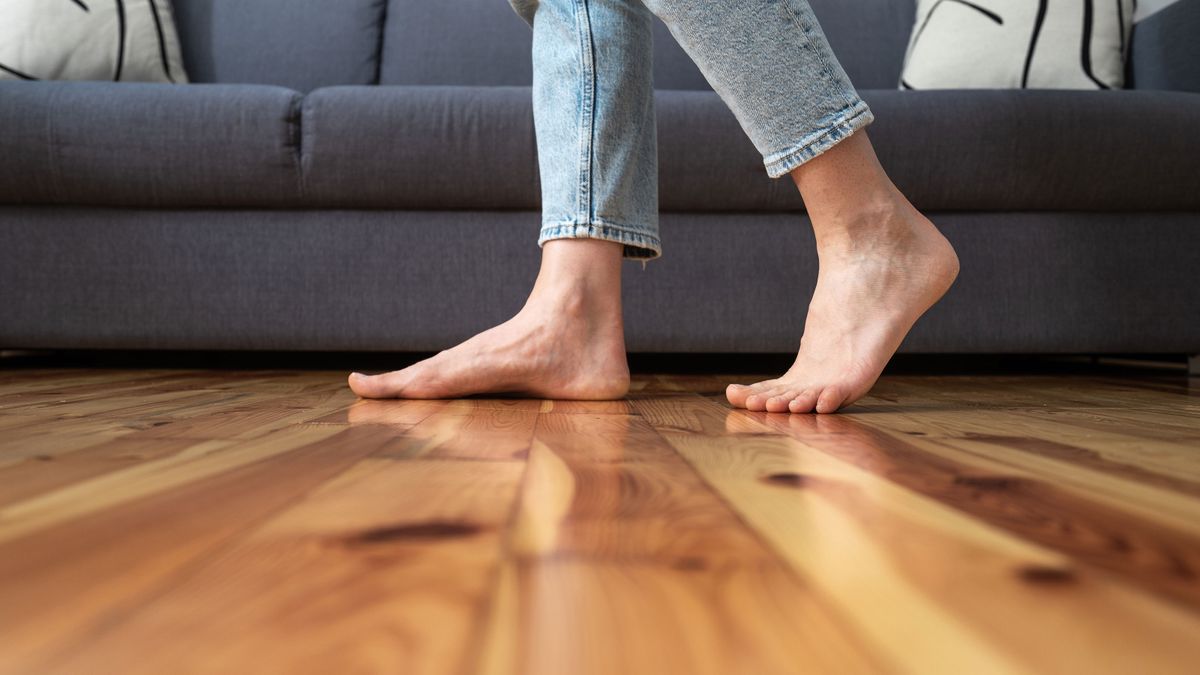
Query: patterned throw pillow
column 1017, row 44
column 117, row 40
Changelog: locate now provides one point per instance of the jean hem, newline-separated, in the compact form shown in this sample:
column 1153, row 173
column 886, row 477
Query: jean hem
column 638, row 244
column 842, row 124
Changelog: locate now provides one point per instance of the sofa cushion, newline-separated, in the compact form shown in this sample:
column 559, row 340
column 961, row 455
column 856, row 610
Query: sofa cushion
column 1005, row 150
column 144, row 144
column 485, row 42
column 420, row 147
column 868, row 37
column 474, row 147
column 300, row 44
column 965, row 150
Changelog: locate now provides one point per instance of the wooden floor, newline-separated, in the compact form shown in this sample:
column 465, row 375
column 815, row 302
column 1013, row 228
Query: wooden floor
column 173, row 521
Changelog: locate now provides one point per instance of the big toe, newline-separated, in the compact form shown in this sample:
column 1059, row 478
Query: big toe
column 749, row 395
column 387, row 385
column 737, row 394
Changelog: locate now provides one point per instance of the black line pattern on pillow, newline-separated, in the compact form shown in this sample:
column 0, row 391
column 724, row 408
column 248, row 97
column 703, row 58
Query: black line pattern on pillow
column 122, row 37
column 933, row 10
column 16, row 73
column 921, row 29
column 162, row 42
column 1087, row 37
column 1033, row 40
column 27, row 76
column 120, row 40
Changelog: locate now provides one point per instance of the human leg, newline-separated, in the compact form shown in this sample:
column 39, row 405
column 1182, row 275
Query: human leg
column 567, row 342
column 594, row 117
column 882, row 263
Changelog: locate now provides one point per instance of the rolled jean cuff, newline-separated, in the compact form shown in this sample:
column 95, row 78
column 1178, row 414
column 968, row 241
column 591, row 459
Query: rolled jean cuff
column 639, row 244
column 829, row 132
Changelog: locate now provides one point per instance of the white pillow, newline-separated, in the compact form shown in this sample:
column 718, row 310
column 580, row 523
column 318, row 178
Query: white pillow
column 1014, row 44
column 116, row 40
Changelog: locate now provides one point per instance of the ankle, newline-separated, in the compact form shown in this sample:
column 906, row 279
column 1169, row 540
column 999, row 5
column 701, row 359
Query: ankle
column 573, row 298
column 578, row 277
column 874, row 222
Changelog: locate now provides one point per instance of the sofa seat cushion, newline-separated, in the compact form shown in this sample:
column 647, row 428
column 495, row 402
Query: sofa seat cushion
column 148, row 145
column 979, row 150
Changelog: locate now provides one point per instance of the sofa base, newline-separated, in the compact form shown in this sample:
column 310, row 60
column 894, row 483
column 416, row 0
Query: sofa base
column 359, row 280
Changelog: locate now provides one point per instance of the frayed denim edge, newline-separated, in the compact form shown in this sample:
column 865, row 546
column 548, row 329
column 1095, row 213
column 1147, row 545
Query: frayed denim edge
column 638, row 244
column 844, row 123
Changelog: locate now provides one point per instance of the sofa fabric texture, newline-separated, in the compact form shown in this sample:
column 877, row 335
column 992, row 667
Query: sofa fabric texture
column 435, row 147
column 299, row 44
column 422, row 280
column 143, row 144
column 363, row 175
column 1166, row 51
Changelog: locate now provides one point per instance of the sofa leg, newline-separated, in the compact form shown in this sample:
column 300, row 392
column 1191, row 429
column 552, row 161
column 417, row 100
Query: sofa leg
column 1194, row 365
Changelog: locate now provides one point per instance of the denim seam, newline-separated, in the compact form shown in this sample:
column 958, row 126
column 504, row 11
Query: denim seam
column 586, row 108
column 639, row 243
column 843, row 123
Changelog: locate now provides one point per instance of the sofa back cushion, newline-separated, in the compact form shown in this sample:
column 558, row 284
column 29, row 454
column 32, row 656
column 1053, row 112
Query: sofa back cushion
column 869, row 37
column 306, row 44
column 301, row 44
column 484, row 42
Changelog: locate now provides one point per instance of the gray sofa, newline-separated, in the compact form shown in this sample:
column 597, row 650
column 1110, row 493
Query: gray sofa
column 361, row 175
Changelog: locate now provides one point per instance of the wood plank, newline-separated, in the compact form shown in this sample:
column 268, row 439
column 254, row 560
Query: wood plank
column 872, row 545
column 201, row 520
column 385, row 569
column 68, row 564
column 622, row 561
column 482, row 433
column 1147, row 553
column 35, row 476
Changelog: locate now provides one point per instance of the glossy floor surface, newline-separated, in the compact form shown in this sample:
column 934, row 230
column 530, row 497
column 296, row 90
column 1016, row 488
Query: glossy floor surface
column 174, row 521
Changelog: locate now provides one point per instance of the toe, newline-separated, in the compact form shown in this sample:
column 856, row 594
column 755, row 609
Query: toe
column 830, row 400
column 739, row 394
column 779, row 401
column 757, row 402
column 804, row 402
column 387, row 385
column 764, row 392
column 736, row 394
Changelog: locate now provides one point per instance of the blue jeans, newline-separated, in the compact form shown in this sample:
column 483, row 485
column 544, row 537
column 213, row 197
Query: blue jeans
column 593, row 102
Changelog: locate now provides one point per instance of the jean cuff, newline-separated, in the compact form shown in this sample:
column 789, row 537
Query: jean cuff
column 831, row 130
column 639, row 243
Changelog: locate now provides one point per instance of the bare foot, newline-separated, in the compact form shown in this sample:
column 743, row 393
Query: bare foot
column 567, row 342
column 871, row 288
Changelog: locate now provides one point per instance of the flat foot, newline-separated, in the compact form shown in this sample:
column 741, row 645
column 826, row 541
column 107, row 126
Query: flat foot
column 553, row 350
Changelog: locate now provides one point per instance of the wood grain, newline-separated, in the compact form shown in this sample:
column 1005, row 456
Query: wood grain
column 194, row 521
